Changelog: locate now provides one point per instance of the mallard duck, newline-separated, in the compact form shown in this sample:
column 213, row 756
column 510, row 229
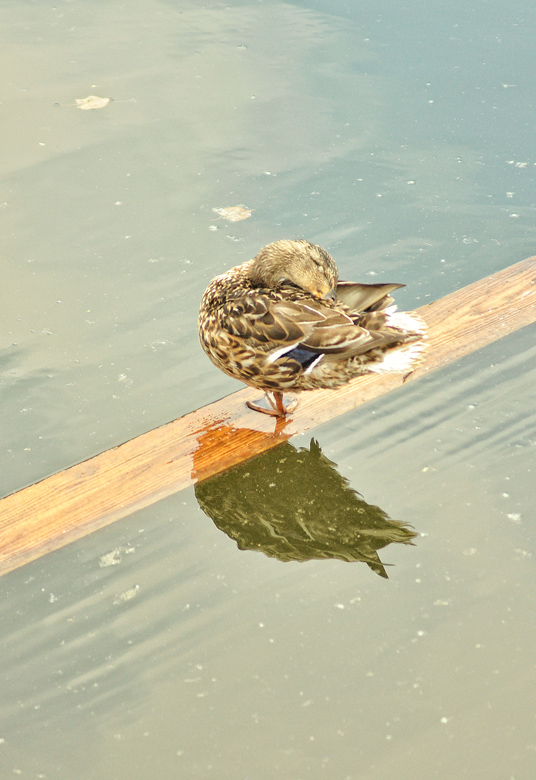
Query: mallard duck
column 284, row 322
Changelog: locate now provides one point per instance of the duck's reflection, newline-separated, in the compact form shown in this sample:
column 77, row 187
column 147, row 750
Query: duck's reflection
column 293, row 505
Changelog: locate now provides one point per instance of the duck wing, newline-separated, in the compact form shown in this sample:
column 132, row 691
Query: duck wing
column 366, row 297
column 307, row 327
column 268, row 323
column 342, row 335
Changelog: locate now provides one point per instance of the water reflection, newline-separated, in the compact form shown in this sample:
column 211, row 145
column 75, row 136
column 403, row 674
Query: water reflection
column 292, row 504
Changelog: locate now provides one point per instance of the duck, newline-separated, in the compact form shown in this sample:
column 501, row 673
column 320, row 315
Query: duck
column 284, row 322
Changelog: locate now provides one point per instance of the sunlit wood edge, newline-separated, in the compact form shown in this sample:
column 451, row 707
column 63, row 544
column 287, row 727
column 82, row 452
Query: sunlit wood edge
column 74, row 502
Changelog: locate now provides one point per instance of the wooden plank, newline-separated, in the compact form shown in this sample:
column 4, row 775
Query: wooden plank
column 83, row 498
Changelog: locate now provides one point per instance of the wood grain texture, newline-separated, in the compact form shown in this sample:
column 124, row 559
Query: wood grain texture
column 83, row 498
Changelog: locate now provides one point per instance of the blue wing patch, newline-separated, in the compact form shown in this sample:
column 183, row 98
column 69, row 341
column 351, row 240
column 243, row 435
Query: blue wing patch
column 305, row 357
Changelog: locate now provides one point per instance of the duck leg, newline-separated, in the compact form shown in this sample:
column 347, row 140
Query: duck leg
column 278, row 407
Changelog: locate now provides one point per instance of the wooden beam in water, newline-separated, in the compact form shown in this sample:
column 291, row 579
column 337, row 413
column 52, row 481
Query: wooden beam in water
column 83, row 498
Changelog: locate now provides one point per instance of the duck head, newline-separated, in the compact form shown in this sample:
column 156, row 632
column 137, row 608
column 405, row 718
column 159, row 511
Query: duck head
column 305, row 265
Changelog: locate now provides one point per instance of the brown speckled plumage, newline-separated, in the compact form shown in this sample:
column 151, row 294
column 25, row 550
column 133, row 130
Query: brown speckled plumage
column 284, row 322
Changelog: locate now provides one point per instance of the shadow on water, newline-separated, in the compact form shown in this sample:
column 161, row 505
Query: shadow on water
column 292, row 504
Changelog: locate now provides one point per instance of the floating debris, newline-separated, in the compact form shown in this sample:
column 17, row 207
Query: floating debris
column 127, row 595
column 234, row 213
column 114, row 557
column 92, row 101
